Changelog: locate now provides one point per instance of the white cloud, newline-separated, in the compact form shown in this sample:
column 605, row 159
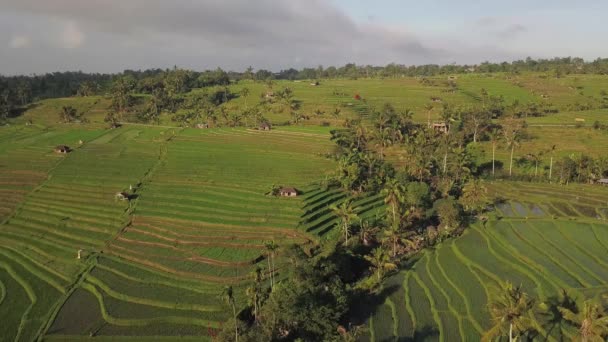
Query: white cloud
column 20, row 41
column 72, row 37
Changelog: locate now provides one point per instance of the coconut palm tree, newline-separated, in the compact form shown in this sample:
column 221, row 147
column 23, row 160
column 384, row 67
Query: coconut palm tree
column 361, row 134
column 367, row 231
column 346, row 213
column 271, row 249
column 254, row 292
column 551, row 151
column 510, row 310
column 394, row 237
column 494, row 139
column 592, row 321
column 511, row 131
column 393, row 196
column 228, row 296
column 429, row 108
column 380, row 261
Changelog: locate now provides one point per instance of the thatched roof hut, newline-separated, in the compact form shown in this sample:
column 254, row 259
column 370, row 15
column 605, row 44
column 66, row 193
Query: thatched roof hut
column 62, row 149
column 288, row 191
column 123, row 196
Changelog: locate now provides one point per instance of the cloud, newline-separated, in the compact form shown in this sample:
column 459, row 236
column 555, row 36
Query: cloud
column 207, row 33
column 72, row 37
column 114, row 35
column 511, row 31
column 19, row 42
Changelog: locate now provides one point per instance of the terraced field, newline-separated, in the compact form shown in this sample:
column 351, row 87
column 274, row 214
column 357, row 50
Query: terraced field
column 556, row 239
column 155, row 265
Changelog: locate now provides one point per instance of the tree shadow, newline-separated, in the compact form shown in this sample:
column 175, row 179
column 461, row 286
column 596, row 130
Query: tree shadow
column 20, row 110
column 555, row 322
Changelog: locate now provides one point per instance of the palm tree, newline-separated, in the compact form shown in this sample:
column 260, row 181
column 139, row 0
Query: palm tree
column 254, row 292
column 552, row 151
column 592, row 321
column 510, row 311
column 271, row 249
column 535, row 158
column 346, row 213
column 393, row 196
column 245, row 94
column 429, row 108
column 494, row 139
column 394, row 237
column 336, row 112
column 511, row 130
column 228, row 296
column 361, row 134
column 380, row 262
column 367, row 231
column 383, row 139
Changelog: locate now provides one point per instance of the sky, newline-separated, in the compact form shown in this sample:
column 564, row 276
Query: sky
column 38, row 36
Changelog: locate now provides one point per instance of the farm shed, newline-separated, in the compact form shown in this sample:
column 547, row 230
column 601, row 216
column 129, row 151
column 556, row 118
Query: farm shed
column 265, row 127
column 440, row 127
column 288, row 192
column 62, row 149
column 202, row 125
column 123, row 196
column 603, row 181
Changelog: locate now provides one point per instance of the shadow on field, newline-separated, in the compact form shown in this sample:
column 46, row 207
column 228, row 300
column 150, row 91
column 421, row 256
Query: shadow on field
column 366, row 305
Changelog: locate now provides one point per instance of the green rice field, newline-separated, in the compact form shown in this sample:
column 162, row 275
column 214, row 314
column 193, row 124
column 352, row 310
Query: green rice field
column 546, row 238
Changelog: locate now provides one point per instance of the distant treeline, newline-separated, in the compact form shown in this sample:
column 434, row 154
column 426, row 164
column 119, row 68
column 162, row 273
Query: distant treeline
column 59, row 84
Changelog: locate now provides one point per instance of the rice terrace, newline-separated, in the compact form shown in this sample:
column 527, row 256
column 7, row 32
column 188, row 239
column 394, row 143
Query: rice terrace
column 434, row 198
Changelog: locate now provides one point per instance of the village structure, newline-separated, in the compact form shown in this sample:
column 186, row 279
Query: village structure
column 62, row 149
column 287, row 191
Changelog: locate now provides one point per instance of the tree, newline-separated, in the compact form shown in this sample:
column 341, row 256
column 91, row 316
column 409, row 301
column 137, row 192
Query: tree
column 535, row 158
column 395, row 238
column 592, row 321
column 449, row 213
column 476, row 122
column 552, row 152
column 346, row 214
column 393, row 196
column 336, row 112
column 24, row 92
column 367, row 231
column 494, row 140
column 228, row 297
column 255, row 292
column 510, row 312
column 245, row 94
column 511, row 132
column 380, row 262
column 122, row 90
column 271, row 250
column 475, row 196
column 429, row 108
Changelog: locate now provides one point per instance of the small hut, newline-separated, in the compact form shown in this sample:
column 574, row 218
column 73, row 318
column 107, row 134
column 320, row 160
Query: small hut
column 123, row 196
column 603, row 181
column 63, row 149
column 202, row 125
column 265, row 126
column 287, row 191
column 440, row 127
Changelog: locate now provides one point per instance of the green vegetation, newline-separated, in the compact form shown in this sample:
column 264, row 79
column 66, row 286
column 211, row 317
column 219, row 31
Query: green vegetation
column 164, row 220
